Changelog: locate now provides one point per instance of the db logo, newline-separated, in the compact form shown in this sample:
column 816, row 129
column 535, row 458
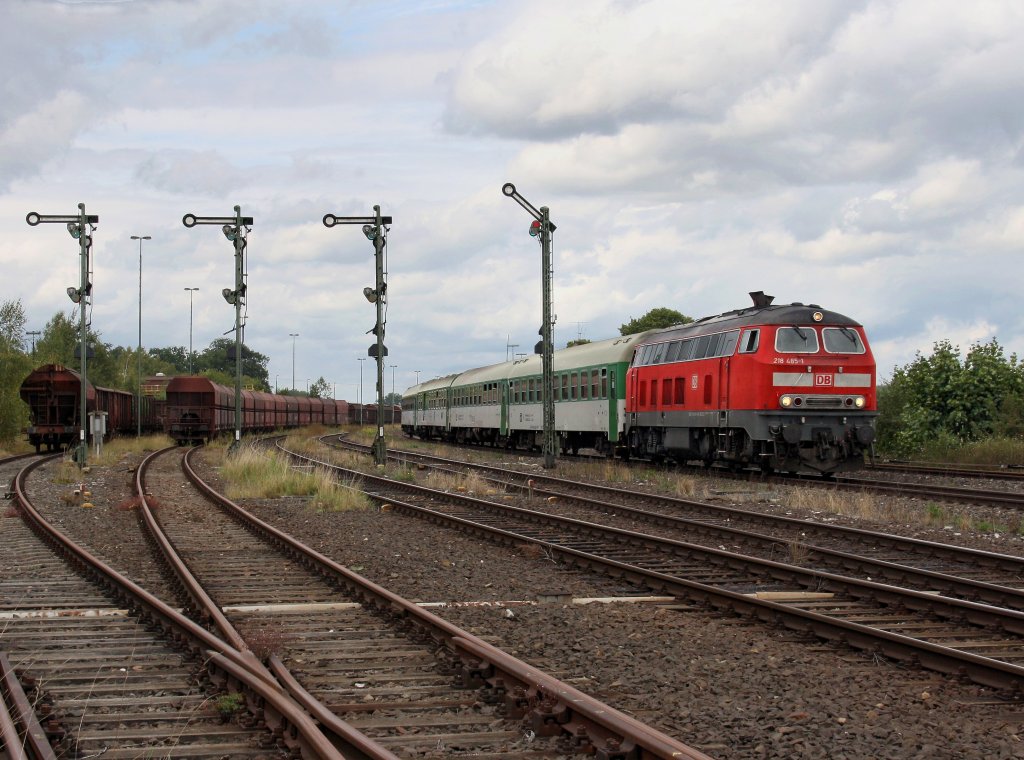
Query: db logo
column 823, row 380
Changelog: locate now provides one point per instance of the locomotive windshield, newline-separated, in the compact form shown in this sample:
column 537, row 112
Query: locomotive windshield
column 842, row 340
column 796, row 340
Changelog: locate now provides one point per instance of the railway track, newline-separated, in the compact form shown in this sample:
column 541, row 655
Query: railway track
column 1003, row 472
column 983, row 496
column 409, row 681
column 110, row 670
column 980, row 641
column 970, row 574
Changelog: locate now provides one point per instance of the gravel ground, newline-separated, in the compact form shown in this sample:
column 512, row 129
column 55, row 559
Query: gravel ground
column 731, row 688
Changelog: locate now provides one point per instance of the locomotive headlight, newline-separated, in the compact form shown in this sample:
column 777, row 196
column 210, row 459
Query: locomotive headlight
column 786, row 402
column 859, row 402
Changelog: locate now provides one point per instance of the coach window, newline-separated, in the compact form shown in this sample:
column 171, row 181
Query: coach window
column 574, row 382
column 842, row 340
column 604, row 383
column 593, row 384
column 565, row 387
column 796, row 340
column 673, row 351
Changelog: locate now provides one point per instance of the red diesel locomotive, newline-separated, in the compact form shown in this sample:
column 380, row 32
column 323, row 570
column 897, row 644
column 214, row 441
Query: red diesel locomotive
column 786, row 387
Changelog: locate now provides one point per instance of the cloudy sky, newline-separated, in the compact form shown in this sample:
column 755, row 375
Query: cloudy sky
column 866, row 156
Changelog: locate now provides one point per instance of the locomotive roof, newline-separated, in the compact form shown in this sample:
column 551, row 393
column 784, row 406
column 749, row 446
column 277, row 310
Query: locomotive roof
column 752, row 316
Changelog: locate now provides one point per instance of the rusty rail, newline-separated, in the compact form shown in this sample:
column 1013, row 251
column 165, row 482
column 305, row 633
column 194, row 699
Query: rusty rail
column 552, row 702
column 23, row 736
column 284, row 716
column 357, row 745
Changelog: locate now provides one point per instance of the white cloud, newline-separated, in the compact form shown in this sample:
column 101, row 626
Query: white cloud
column 867, row 157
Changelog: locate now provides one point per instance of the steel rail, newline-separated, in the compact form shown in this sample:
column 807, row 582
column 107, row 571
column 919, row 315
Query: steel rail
column 991, row 672
column 356, row 744
column 281, row 713
column 1004, row 472
column 23, row 736
column 579, row 714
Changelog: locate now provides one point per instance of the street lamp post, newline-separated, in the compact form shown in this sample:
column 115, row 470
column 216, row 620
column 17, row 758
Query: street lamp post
column 375, row 228
column 293, row 336
column 543, row 227
column 235, row 229
column 190, row 292
column 138, row 405
column 78, row 226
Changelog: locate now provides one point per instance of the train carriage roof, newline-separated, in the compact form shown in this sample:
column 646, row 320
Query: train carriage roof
column 431, row 385
column 595, row 354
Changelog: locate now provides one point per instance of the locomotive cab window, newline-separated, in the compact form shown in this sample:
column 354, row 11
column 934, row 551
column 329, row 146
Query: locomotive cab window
column 842, row 340
column 750, row 341
column 796, row 340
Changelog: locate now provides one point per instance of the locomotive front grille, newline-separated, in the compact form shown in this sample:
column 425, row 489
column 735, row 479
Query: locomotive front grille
column 824, row 402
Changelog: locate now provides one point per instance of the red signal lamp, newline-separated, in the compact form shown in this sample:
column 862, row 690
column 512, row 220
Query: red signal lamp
column 534, row 228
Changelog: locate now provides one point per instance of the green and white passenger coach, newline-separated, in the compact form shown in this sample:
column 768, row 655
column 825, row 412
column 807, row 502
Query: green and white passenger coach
column 501, row 405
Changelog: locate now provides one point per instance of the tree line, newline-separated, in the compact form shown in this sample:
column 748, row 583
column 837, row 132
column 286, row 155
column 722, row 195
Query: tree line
column 945, row 400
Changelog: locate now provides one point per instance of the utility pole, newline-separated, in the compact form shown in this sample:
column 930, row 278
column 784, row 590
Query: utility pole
column 235, row 229
column 293, row 336
column 375, row 229
column 33, row 334
column 543, row 227
column 191, row 291
column 138, row 406
column 79, row 228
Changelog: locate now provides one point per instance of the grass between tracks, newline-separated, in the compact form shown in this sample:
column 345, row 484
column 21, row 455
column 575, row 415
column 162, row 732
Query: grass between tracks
column 992, row 451
column 253, row 473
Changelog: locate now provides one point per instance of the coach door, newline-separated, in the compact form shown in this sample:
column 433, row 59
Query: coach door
column 608, row 386
column 505, row 385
